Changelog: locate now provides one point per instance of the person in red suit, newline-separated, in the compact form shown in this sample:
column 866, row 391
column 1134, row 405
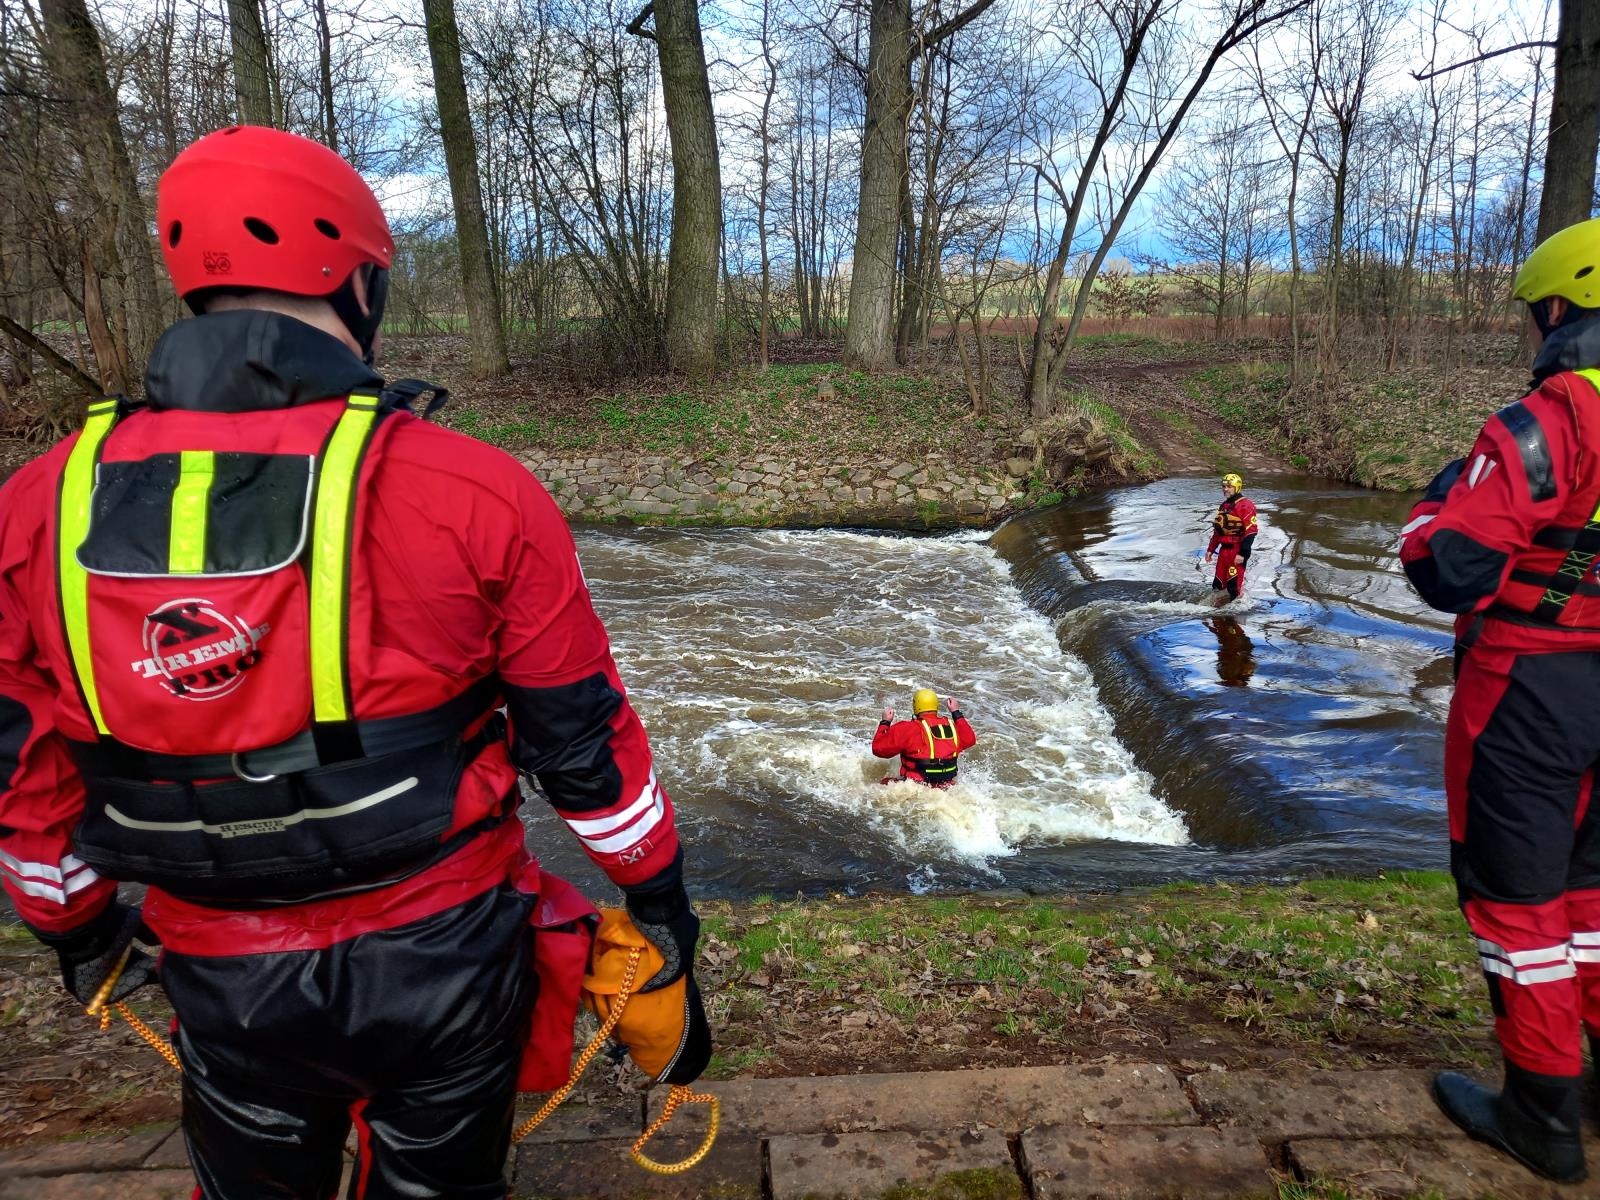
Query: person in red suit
column 1507, row 539
column 281, row 651
column 928, row 745
column 1233, row 537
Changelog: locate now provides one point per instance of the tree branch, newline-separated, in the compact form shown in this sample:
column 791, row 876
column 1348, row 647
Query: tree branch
column 636, row 26
column 28, row 338
column 1480, row 58
column 956, row 23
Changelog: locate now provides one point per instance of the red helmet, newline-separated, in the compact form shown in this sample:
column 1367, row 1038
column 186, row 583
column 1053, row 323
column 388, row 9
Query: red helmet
column 252, row 207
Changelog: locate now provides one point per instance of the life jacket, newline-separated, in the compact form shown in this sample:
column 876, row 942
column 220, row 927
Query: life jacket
column 204, row 597
column 937, row 768
column 1228, row 523
column 1552, row 581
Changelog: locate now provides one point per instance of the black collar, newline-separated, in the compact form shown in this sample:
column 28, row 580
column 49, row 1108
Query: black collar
column 246, row 360
column 1568, row 348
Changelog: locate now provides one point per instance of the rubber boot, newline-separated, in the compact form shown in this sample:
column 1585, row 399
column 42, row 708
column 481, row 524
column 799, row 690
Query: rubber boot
column 1533, row 1118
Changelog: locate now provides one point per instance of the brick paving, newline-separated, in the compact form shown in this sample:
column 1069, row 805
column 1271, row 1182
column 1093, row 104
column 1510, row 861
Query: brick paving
column 1077, row 1132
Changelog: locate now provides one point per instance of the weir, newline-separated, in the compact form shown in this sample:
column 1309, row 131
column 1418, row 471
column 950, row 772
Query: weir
column 1128, row 732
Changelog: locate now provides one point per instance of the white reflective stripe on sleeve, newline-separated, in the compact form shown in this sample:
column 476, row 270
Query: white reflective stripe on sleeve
column 596, row 826
column 50, row 891
column 1585, row 938
column 45, row 871
column 1417, row 524
column 1482, row 467
column 636, row 832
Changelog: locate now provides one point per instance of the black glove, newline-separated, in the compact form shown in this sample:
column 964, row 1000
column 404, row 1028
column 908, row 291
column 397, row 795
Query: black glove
column 669, row 924
column 90, row 953
column 1439, row 487
column 695, row 1053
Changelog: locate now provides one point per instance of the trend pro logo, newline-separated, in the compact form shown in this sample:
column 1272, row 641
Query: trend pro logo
column 196, row 652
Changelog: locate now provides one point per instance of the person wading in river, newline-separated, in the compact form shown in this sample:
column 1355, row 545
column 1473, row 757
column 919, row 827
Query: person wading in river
column 929, row 745
column 1507, row 538
column 1233, row 537
column 255, row 634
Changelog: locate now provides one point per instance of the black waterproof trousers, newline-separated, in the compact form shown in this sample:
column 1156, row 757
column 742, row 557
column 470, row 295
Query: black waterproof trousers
column 412, row 1034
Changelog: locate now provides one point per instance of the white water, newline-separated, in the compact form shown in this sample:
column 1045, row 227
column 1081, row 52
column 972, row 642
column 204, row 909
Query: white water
column 760, row 662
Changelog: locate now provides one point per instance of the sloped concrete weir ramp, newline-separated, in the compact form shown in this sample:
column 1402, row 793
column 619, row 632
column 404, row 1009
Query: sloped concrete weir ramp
column 1128, row 732
column 1298, row 729
column 1090, row 1132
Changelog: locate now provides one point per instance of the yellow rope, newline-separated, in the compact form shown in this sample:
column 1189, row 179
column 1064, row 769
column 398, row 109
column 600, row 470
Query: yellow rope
column 99, row 1008
column 589, row 1051
column 678, row 1096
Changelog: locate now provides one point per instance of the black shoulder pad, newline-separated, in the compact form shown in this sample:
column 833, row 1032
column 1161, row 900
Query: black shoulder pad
column 1526, row 431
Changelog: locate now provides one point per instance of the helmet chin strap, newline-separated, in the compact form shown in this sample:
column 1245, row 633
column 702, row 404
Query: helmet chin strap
column 363, row 326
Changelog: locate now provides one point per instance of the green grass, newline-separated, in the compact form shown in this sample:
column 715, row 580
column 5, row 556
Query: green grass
column 1314, row 965
column 1144, row 460
column 1221, row 457
column 801, row 409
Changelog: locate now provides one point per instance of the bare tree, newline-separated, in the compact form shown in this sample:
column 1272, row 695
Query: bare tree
column 252, row 64
column 1569, row 161
column 893, row 46
column 119, row 284
column 478, row 281
column 696, row 185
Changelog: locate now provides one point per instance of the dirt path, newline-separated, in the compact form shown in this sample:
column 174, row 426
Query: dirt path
column 1188, row 437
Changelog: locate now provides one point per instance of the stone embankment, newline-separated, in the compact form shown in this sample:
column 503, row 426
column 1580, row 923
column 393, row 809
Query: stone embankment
column 1083, row 1132
column 771, row 489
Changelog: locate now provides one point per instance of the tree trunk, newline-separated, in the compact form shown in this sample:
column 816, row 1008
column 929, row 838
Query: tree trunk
column 696, row 190
column 765, row 183
column 486, row 337
column 125, row 253
column 330, row 123
column 1569, row 160
column 252, row 70
column 869, row 336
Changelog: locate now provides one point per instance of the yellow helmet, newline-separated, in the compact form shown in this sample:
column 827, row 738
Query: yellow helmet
column 1232, row 480
column 925, row 700
column 1567, row 263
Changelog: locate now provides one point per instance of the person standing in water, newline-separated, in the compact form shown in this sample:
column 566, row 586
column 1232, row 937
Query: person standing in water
column 1233, row 536
column 928, row 745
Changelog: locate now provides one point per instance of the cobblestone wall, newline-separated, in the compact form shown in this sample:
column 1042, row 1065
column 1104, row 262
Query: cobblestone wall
column 774, row 490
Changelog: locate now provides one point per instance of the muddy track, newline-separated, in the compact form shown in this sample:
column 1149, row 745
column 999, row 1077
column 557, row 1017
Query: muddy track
column 1189, row 438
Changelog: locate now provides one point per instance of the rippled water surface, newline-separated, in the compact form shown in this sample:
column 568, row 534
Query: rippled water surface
column 1128, row 732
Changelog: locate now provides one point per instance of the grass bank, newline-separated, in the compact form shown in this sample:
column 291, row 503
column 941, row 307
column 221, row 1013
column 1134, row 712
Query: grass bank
column 1330, row 972
column 1333, row 972
column 1389, row 431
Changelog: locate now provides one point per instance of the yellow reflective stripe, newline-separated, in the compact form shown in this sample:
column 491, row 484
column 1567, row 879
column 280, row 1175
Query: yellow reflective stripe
column 951, row 735
column 1593, row 376
column 330, row 554
column 72, row 526
column 186, row 540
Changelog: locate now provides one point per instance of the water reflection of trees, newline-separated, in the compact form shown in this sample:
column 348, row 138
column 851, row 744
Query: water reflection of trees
column 1236, row 653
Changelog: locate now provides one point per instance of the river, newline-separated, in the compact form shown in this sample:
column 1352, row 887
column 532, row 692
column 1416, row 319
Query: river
column 1128, row 732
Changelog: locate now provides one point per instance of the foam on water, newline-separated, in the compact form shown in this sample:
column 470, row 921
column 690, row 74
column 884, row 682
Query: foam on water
column 760, row 662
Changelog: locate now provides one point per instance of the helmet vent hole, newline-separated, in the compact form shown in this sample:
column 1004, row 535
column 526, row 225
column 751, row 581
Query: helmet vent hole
column 1583, row 272
column 327, row 229
column 261, row 231
column 174, row 234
